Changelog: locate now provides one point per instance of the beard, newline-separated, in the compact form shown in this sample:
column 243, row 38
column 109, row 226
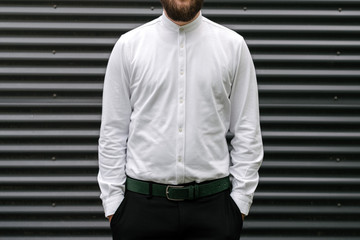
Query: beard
column 182, row 12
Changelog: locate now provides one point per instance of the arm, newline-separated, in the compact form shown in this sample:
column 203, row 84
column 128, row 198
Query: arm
column 116, row 111
column 247, row 153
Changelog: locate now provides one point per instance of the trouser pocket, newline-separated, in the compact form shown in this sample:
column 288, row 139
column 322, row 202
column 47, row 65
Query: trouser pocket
column 235, row 223
column 118, row 213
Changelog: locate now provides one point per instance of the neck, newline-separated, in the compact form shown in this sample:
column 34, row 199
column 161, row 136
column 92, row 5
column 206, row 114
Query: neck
column 181, row 23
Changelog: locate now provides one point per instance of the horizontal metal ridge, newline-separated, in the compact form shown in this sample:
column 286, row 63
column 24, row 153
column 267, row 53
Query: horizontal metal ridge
column 48, row 133
column 65, row 133
column 50, row 101
column 85, row 164
column 303, row 149
column 311, row 164
column 71, row 102
column 53, row 86
column 55, row 56
column 255, row 13
column 46, row 148
column 279, row 164
column 97, row 117
column 308, row 195
column 312, row 2
column 80, row 11
column 273, row 88
column 310, row 180
column 28, row 180
column 110, row 41
column 243, row 237
column 69, row 117
column 95, row 71
column 63, row 225
column 78, row 195
column 100, row 56
column 308, row 104
column 96, row 224
column 49, row 194
column 55, row 180
column 301, row 28
column 83, row 237
column 309, row 119
column 88, row 86
column 95, row 209
column 57, row 41
column 307, row 134
column 309, row 58
column 154, row 12
column 52, row 71
column 300, row 210
column 64, row 26
column 302, row 43
column 328, row 73
column 311, row 237
column 48, row 164
column 120, row 26
column 35, row 210
column 301, row 225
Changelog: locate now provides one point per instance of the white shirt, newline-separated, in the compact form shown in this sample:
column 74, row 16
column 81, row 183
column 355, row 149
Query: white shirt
column 170, row 96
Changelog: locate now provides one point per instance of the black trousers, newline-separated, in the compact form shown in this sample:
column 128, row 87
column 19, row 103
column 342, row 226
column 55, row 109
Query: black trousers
column 210, row 218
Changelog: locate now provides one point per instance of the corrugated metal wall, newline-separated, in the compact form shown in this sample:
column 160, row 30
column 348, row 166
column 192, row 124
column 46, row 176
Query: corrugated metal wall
column 53, row 56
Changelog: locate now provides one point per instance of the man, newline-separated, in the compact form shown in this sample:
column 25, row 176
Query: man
column 173, row 89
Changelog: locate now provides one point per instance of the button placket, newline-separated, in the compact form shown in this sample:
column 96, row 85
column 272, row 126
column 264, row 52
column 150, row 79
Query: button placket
column 181, row 107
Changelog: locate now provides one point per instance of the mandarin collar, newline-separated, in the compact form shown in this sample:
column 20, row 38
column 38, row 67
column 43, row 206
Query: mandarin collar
column 187, row 27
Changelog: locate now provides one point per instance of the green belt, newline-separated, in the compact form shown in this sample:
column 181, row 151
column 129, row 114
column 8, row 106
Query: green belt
column 176, row 192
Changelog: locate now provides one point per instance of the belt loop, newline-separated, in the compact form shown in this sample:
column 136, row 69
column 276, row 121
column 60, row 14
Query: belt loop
column 191, row 192
column 150, row 191
column 196, row 191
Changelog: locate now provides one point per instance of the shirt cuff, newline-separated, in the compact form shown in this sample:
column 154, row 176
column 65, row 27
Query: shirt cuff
column 112, row 204
column 243, row 202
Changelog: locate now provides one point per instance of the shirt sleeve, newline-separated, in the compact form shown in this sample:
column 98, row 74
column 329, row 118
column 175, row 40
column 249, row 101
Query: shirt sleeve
column 247, row 148
column 116, row 111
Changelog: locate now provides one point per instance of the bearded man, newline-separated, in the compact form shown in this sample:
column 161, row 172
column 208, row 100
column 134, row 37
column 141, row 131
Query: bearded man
column 173, row 89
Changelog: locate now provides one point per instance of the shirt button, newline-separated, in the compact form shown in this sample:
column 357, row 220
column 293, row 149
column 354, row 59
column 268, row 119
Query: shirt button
column 182, row 72
column 180, row 129
column 179, row 159
column 181, row 100
column 181, row 45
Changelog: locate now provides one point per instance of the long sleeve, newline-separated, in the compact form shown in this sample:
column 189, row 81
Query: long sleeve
column 116, row 111
column 247, row 148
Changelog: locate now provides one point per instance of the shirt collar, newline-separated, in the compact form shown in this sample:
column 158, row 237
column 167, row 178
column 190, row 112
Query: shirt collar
column 187, row 27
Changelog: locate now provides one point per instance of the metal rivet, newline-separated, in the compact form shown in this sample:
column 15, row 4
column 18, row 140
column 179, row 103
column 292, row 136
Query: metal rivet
column 338, row 159
column 53, row 204
column 55, row 6
column 340, row 9
column 54, row 52
column 338, row 53
column 54, row 95
column 336, row 98
column 152, row 8
column 245, row 8
column 339, row 204
column 53, row 158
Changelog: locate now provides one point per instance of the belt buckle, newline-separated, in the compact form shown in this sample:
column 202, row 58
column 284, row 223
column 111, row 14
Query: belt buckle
column 167, row 193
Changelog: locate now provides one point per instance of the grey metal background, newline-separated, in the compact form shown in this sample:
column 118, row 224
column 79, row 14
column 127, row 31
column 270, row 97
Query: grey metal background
column 53, row 56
